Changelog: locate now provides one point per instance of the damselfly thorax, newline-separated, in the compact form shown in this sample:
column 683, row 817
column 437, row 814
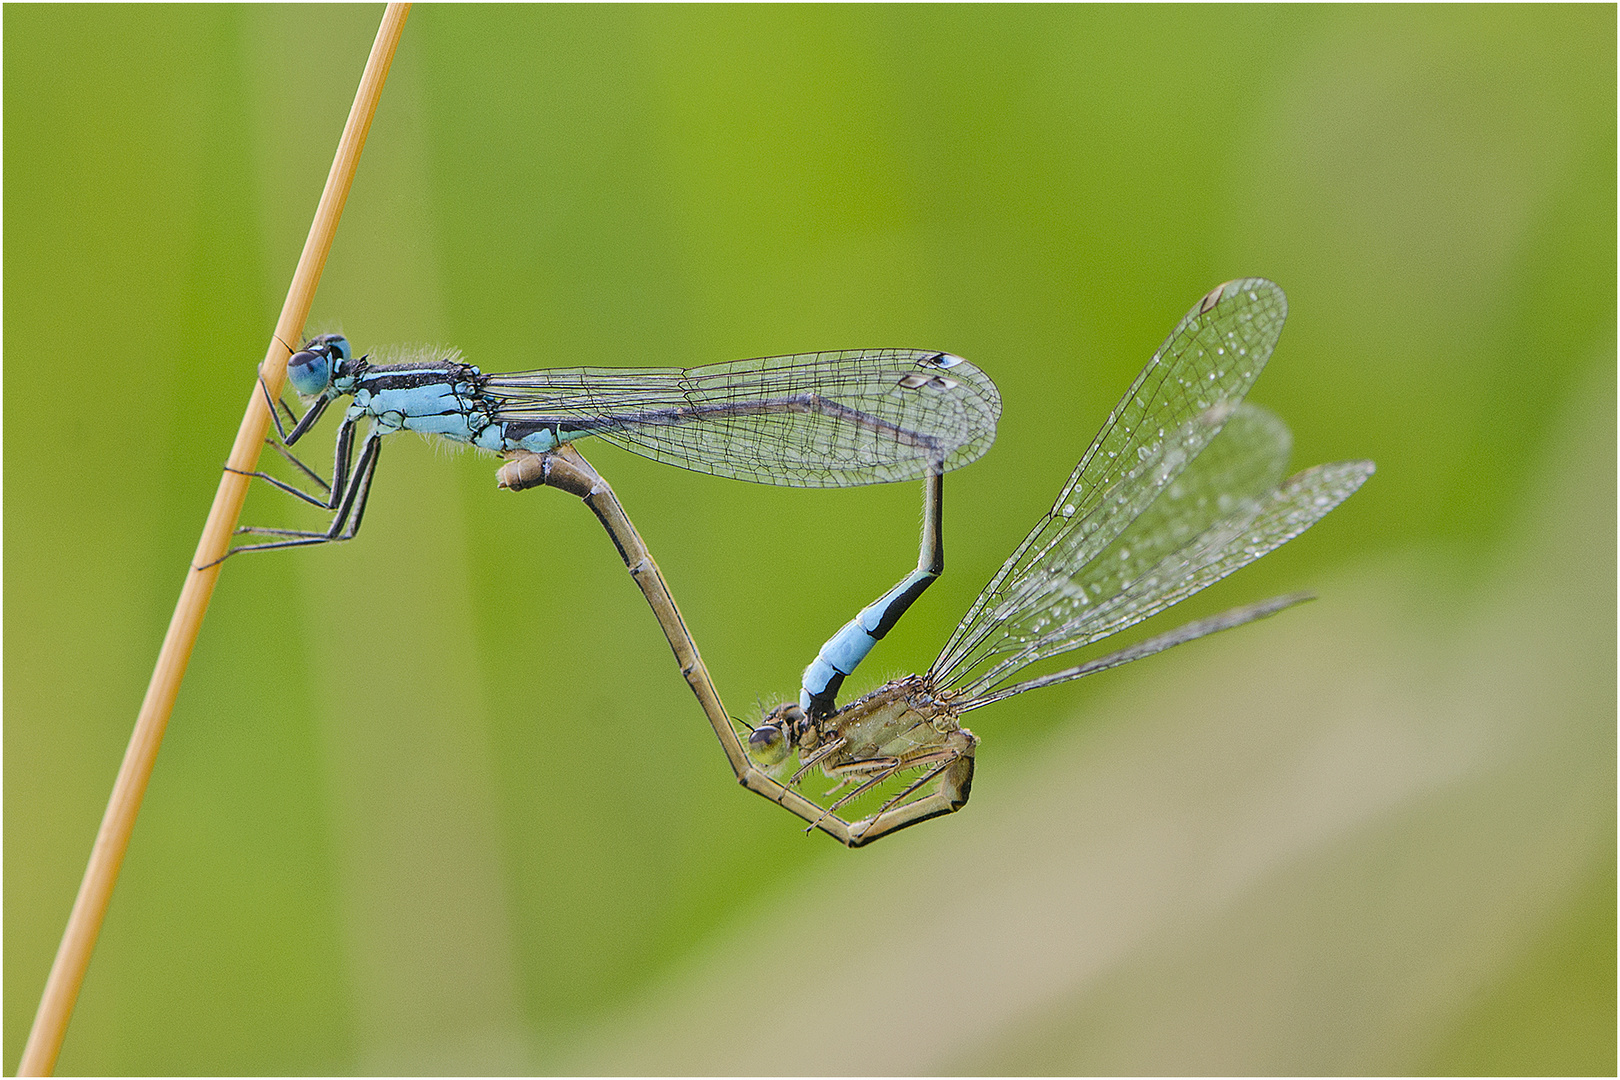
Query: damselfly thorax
column 905, row 728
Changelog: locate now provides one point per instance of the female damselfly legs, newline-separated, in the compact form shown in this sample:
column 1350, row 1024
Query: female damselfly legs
column 1183, row 485
column 566, row 470
column 827, row 419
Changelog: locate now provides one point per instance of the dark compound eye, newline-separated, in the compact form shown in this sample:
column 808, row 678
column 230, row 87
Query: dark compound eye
column 767, row 745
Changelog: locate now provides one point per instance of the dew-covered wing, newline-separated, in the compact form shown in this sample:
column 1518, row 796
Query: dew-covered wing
column 1172, row 410
column 1225, row 511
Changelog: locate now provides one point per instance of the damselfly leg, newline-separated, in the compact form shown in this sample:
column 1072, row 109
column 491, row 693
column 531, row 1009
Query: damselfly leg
column 286, row 439
column 951, row 766
column 349, row 491
column 325, row 364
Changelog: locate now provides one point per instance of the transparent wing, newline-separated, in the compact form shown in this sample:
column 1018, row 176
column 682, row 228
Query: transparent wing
column 828, row 419
column 1253, row 529
column 1052, row 603
column 1170, row 413
column 1192, row 631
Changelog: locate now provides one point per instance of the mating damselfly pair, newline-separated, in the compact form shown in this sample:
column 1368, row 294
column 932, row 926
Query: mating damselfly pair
column 1184, row 484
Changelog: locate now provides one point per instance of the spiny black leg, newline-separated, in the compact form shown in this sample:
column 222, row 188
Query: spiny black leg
column 275, row 417
column 271, row 403
column 342, row 455
column 323, row 503
column 360, row 490
column 334, row 490
column 301, row 424
column 350, row 500
column 305, row 469
column 306, row 422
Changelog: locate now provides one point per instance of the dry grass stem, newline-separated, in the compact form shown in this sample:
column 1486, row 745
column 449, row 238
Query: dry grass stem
column 112, row 839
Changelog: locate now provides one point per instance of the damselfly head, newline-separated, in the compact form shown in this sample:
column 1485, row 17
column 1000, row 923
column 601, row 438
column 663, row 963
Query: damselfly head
column 312, row 368
column 783, row 728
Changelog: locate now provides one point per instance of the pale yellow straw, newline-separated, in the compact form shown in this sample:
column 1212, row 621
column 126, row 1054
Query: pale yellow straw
column 95, row 891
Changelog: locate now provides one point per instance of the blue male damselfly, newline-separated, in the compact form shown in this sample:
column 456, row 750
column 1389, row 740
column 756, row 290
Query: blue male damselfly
column 827, row 419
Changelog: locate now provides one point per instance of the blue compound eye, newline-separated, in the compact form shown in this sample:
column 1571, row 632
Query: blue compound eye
column 312, row 368
column 309, row 371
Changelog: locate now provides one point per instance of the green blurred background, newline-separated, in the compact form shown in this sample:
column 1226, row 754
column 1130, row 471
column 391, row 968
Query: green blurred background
column 437, row 800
